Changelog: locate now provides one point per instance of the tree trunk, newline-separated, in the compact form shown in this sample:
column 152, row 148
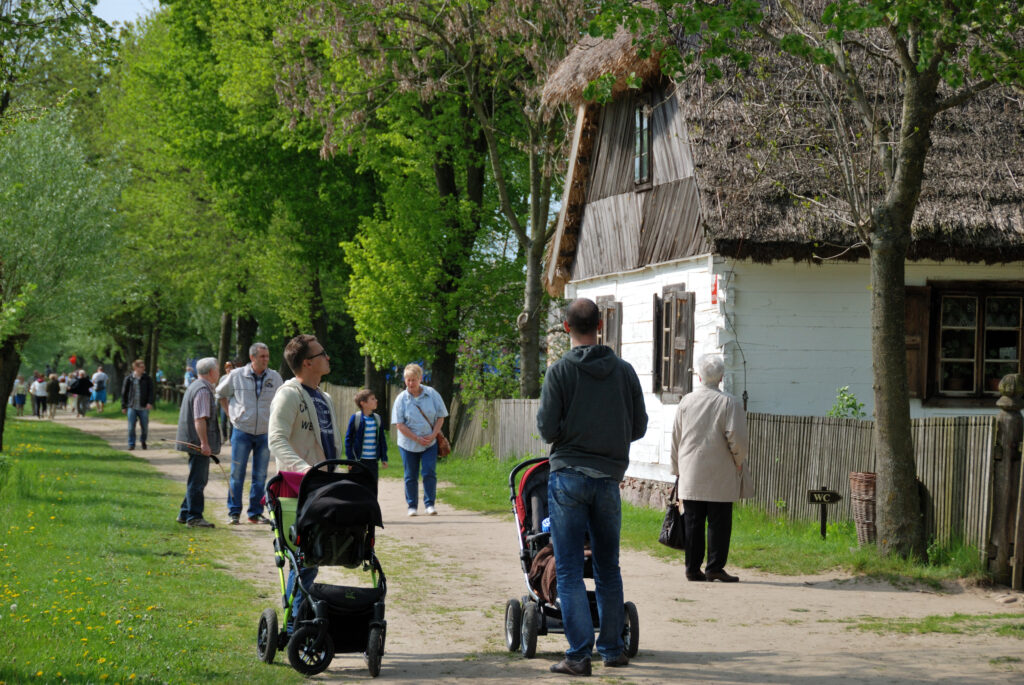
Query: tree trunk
column 246, row 327
column 224, row 344
column 317, row 312
column 153, row 359
column 900, row 528
column 10, row 360
column 376, row 380
column 443, row 381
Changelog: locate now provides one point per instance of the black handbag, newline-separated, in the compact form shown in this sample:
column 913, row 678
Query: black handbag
column 673, row 534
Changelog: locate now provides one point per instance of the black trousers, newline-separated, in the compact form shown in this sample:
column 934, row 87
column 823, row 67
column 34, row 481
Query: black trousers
column 718, row 516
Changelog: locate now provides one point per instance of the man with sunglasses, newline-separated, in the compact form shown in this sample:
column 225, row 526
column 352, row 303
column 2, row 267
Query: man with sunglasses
column 303, row 425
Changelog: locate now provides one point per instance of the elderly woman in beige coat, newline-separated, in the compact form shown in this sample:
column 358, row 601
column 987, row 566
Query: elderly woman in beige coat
column 709, row 446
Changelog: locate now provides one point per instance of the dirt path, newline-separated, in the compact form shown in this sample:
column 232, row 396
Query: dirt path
column 450, row 576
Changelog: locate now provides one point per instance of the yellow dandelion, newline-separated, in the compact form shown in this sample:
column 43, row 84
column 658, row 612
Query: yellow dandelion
column 102, row 660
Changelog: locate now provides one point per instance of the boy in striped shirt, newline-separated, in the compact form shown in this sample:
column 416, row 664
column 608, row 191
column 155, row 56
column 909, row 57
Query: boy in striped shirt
column 365, row 438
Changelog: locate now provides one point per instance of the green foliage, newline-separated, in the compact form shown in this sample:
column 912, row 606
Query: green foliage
column 487, row 369
column 56, row 227
column 846, row 405
column 101, row 585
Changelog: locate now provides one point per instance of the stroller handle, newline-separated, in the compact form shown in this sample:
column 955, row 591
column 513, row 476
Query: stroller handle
column 519, row 467
column 342, row 462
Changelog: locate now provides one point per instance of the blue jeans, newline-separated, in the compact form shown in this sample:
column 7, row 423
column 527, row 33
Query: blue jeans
column 578, row 504
column 412, row 462
column 198, row 475
column 143, row 417
column 308, row 576
column 241, row 445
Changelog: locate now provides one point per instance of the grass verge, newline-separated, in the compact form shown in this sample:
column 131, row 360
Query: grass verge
column 99, row 584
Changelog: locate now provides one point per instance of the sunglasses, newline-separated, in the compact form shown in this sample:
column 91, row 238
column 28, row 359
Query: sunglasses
column 321, row 353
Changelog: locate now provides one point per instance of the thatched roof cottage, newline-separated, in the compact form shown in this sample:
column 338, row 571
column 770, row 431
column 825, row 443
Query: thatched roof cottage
column 699, row 224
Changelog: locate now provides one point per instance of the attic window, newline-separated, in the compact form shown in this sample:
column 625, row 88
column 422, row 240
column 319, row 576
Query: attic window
column 642, row 141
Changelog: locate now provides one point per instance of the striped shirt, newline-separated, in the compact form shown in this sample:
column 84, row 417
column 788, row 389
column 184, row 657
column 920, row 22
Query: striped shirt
column 369, row 437
column 201, row 403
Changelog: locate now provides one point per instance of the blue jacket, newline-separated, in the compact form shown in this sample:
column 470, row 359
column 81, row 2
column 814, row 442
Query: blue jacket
column 354, row 438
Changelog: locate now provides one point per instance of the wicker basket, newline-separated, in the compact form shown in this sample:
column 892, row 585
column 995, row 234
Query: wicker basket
column 862, row 498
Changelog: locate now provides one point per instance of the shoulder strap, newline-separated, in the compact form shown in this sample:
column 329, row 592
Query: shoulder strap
column 429, row 422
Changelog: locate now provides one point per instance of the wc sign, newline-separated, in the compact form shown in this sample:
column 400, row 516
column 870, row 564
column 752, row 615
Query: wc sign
column 823, row 497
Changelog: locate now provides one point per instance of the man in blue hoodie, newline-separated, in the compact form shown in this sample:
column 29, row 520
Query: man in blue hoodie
column 591, row 408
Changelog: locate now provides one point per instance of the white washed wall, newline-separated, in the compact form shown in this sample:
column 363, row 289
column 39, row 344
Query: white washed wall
column 802, row 330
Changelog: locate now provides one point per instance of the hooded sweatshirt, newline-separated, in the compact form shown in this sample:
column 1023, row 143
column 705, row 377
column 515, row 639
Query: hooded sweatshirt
column 591, row 408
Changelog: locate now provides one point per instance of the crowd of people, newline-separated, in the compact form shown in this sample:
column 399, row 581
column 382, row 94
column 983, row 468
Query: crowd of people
column 48, row 393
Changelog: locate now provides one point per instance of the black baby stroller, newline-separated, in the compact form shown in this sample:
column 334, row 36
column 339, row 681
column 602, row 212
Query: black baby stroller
column 539, row 612
column 335, row 516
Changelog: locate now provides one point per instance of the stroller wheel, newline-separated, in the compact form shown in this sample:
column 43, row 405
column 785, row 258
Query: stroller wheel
column 530, row 628
column 631, row 630
column 303, row 654
column 374, row 651
column 266, row 636
column 513, row 618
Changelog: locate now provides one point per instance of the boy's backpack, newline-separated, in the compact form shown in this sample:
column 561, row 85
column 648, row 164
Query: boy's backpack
column 101, row 384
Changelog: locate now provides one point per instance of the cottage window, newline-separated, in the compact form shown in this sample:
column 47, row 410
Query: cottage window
column 611, row 323
column 642, row 142
column 976, row 338
column 673, row 342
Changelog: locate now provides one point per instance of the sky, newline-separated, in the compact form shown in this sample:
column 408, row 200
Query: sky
column 123, row 10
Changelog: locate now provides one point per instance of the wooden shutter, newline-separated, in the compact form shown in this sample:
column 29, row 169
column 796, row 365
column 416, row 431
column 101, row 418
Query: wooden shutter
column 612, row 316
column 656, row 357
column 918, row 310
column 682, row 343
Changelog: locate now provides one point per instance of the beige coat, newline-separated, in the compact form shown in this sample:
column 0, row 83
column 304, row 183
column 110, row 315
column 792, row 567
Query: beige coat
column 709, row 444
column 294, row 434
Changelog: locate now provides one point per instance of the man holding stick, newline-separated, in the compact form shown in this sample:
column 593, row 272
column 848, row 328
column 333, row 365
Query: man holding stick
column 197, row 426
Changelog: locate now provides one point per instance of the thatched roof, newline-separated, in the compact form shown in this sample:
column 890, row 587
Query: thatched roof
column 590, row 59
column 971, row 206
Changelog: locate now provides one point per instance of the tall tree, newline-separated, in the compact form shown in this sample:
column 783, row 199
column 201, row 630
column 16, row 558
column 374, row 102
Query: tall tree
column 491, row 57
column 871, row 79
column 56, row 230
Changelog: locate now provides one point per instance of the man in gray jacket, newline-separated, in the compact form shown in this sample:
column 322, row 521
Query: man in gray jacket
column 591, row 408
column 199, row 436
column 246, row 394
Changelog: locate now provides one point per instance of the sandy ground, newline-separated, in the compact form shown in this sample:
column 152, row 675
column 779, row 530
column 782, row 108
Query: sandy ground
column 450, row 576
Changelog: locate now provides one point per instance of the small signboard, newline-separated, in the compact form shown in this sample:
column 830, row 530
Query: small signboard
column 823, row 496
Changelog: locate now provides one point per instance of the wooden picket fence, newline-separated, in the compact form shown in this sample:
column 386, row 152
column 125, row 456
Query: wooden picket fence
column 790, row 455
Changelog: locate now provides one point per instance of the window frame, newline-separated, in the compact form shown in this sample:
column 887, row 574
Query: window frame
column 980, row 394
column 643, row 148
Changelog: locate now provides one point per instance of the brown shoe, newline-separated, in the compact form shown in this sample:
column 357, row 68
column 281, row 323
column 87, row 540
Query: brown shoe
column 721, row 576
column 620, row 660
column 696, row 577
column 569, row 667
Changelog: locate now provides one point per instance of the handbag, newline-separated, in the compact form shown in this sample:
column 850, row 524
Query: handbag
column 444, row 448
column 673, row 533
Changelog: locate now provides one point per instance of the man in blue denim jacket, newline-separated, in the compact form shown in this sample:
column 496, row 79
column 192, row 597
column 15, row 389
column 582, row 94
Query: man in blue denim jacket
column 591, row 408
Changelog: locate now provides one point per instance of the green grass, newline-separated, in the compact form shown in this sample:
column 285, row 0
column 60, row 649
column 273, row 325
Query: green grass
column 1005, row 624
column 480, row 482
column 99, row 584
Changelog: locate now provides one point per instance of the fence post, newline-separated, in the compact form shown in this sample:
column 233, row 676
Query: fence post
column 1006, row 514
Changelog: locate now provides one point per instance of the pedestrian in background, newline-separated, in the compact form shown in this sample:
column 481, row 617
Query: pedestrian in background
column 418, row 414
column 81, row 388
column 38, row 391
column 137, row 397
column 52, row 395
column 18, row 393
column 99, row 388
